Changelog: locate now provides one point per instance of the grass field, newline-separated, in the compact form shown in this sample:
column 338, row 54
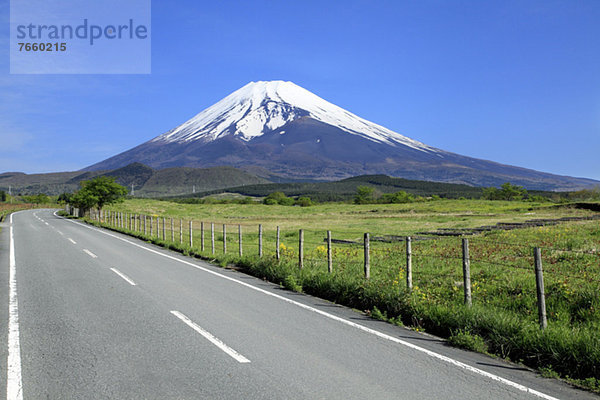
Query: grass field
column 503, row 319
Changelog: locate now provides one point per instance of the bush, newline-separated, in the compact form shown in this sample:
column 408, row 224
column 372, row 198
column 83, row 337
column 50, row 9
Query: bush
column 397, row 198
column 278, row 198
column 304, row 202
column 37, row 199
column 288, row 201
column 468, row 341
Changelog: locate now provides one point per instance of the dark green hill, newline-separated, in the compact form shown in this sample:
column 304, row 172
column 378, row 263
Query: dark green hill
column 346, row 189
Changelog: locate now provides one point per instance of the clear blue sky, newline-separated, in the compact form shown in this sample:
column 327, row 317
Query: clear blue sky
column 516, row 82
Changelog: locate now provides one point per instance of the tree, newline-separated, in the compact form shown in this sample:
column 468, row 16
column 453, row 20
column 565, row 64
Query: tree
column 512, row 192
column 491, row 193
column 364, row 195
column 507, row 191
column 2, row 196
column 64, row 198
column 83, row 200
column 98, row 192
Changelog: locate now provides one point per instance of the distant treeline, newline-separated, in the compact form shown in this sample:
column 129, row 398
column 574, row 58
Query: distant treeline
column 384, row 187
column 345, row 190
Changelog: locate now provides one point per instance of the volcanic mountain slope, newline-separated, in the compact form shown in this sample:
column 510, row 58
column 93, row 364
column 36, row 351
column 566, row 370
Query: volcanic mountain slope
column 144, row 180
column 287, row 130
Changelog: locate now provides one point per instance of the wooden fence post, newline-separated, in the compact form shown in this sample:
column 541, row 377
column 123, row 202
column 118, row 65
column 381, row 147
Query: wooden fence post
column 367, row 257
column 145, row 230
column 172, row 232
column 151, row 226
column 329, row 258
column 260, row 241
column 277, row 251
column 164, row 230
column 240, row 239
column 466, row 272
column 180, row 230
column 539, row 281
column 212, row 237
column 301, row 248
column 224, row 239
column 202, row 235
column 409, row 283
column 191, row 234
column 158, row 227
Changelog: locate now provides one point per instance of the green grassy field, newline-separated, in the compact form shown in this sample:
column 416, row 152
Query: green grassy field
column 503, row 319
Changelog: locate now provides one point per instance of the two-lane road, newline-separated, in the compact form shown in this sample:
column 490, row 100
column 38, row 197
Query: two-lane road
column 93, row 314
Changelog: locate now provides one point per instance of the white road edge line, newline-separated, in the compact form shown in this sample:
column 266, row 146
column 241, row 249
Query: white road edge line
column 456, row 363
column 122, row 275
column 14, row 382
column 214, row 340
column 89, row 253
column 72, row 241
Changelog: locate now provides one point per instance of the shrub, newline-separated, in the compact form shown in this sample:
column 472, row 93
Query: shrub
column 304, row 202
column 466, row 340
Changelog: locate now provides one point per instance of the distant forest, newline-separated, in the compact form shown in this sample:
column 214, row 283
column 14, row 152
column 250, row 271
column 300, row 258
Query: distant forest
column 346, row 189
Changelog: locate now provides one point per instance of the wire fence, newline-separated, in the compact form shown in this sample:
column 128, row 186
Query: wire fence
column 478, row 268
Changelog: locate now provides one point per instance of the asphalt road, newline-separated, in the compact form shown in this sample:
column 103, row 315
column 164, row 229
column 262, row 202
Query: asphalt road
column 91, row 314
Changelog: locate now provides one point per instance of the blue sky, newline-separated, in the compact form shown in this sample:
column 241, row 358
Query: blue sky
column 516, row 82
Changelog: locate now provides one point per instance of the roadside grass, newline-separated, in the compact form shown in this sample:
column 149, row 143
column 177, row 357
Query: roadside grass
column 8, row 208
column 503, row 319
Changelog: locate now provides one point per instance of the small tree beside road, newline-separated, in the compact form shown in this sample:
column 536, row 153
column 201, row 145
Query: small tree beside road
column 98, row 192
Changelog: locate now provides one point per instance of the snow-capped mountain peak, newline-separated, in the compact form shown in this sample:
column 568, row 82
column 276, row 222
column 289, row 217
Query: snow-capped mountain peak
column 261, row 107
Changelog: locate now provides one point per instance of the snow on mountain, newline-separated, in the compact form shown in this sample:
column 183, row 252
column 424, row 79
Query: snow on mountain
column 262, row 107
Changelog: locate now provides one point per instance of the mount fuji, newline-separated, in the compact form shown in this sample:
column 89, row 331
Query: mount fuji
column 280, row 128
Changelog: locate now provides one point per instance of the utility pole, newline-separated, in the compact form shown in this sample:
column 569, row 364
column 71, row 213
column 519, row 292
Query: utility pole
column 132, row 190
column 10, row 193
